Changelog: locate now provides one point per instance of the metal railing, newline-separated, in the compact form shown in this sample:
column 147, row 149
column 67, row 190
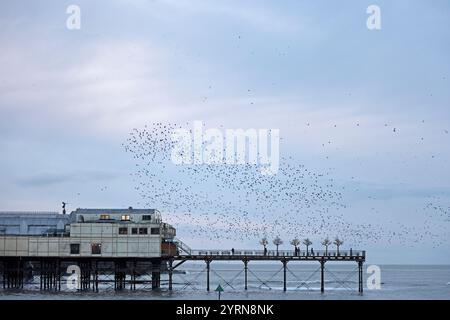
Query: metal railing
column 18, row 213
column 41, row 235
column 280, row 253
column 182, row 246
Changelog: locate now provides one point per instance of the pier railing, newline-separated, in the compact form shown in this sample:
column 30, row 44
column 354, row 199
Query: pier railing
column 184, row 248
column 280, row 253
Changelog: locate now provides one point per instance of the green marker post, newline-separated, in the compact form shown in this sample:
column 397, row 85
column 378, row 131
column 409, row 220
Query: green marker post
column 219, row 289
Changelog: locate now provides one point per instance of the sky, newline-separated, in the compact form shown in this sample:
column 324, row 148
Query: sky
column 371, row 106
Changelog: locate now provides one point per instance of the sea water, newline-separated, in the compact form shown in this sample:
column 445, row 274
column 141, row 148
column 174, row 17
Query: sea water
column 265, row 281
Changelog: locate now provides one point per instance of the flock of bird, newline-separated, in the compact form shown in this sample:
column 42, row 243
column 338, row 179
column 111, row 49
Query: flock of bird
column 237, row 202
column 438, row 211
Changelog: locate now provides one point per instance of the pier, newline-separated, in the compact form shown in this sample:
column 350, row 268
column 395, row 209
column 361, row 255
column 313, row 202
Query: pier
column 134, row 273
column 134, row 249
column 283, row 257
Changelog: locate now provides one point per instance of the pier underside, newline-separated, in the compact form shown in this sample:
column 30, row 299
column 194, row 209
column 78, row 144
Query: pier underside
column 81, row 273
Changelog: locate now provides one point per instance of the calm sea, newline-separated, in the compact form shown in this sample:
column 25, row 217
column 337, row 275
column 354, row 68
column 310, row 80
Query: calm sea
column 265, row 281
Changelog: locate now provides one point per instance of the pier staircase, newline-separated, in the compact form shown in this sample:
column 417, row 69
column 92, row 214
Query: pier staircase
column 183, row 247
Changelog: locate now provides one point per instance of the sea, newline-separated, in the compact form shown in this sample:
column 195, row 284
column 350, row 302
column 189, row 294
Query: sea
column 265, row 282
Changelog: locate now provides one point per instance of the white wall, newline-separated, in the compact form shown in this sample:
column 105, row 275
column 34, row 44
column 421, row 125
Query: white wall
column 85, row 234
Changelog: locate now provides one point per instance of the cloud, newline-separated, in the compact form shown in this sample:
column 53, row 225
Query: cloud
column 103, row 82
column 258, row 15
column 46, row 179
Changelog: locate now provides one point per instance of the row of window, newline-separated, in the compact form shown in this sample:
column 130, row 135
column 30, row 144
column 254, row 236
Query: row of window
column 96, row 248
column 124, row 230
column 125, row 217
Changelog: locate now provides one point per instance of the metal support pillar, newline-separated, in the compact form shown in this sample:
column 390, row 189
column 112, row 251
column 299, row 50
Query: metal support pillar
column 245, row 273
column 41, row 274
column 322, row 276
column 96, row 276
column 360, row 277
column 115, row 275
column 85, row 267
column 208, row 262
column 48, row 279
column 134, row 276
column 119, row 275
column 58, row 275
column 4, row 274
column 156, row 274
column 170, row 273
column 284, row 274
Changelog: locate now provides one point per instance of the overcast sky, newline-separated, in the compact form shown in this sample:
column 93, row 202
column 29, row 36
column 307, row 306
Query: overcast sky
column 69, row 98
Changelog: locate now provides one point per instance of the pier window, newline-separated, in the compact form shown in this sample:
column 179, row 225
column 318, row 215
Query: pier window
column 104, row 217
column 125, row 217
column 146, row 217
column 123, row 230
column 134, row 230
column 143, row 231
column 74, row 248
column 96, row 248
column 154, row 231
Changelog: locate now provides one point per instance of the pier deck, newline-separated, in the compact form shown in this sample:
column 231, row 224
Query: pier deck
column 319, row 255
